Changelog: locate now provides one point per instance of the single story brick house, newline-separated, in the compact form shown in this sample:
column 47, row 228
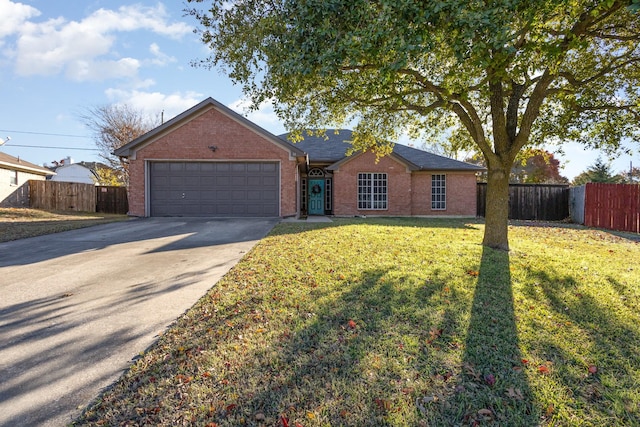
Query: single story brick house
column 211, row 161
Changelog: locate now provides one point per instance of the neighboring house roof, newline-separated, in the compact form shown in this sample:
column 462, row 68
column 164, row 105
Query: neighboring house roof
column 16, row 163
column 333, row 149
column 76, row 172
column 129, row 149
column 92, row 166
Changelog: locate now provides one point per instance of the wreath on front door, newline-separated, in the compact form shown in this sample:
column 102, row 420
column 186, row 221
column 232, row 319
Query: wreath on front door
column 316, row 189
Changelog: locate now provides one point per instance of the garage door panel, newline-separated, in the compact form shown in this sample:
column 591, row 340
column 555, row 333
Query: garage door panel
column 238, row 181
column 238, row 195
column 208, row 181
column 270, row 167
column 214, row 189
column 270, row 181
column 254, row 195
column 191, row 181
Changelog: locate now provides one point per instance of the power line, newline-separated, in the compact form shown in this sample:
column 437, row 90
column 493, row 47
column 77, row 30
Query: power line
column 46, row 146
column 44, row 133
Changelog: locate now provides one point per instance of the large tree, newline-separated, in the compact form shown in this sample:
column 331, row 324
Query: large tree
column 502, row 75
column 113, row 126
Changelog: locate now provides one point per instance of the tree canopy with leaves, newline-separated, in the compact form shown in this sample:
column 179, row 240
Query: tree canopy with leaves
column 532, row 166
column 598, row 172
column 114, row 126
column 501, row 75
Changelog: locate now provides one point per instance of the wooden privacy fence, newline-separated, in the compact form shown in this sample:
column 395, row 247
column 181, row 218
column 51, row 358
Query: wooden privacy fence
column 612, row 206
column 73, row 196
column 544, row 202
column 62, row 196
column 111, row 199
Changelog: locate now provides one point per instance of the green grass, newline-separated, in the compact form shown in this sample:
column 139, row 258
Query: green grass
column 401, row 322
column 20, row 223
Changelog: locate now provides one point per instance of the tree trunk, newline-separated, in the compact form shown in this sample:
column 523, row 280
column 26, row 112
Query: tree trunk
column 497, row 209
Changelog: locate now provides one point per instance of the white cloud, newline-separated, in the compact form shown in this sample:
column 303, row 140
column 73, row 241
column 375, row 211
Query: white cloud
column 160, row 58
column 78, row 48
column 13, row 16
column 153, row 103
column 82, row 70
column 264, row 116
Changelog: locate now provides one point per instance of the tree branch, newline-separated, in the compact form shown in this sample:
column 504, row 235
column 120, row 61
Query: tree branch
column 573, row 81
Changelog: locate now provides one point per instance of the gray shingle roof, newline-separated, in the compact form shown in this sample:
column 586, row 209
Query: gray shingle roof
column 333, row 148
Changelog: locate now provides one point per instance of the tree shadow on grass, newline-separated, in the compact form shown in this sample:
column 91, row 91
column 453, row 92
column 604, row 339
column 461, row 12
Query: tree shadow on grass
column 605, row 320
column 359, row 359
column 386, row 348
column 491, row 387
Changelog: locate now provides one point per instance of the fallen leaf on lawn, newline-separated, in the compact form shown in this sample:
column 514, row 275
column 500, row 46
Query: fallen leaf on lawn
column 471, row 371
column 473, row 273
column 514, row 393
column 351, row 324
column 231, row 407
column 550, row 410
column 542, row 369
column 524, row 361
column 490, row 379
column 383, row 404
column 434, row 333
column 284, row 421
column 311, row 415
column 485, row 413
column 593, row 369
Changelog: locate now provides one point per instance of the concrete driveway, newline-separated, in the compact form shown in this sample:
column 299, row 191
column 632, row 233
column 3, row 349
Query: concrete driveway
column 76, row 307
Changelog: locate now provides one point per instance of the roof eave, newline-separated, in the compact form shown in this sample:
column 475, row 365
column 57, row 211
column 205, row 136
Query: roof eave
column 24, row 168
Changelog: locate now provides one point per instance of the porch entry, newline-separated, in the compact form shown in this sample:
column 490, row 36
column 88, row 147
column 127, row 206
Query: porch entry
column 316, row 197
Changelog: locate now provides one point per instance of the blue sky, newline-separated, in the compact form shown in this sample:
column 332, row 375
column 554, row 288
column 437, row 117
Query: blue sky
column 60, row 57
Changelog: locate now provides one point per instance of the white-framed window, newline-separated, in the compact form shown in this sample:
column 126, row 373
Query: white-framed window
column 372, row 191
column 438, row 192
column 13, row 179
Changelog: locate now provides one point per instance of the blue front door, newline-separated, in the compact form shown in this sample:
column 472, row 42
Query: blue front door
column 316, row 197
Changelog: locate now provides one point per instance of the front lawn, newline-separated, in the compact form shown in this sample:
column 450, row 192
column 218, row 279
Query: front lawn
column 401, row 322
column 20, row 223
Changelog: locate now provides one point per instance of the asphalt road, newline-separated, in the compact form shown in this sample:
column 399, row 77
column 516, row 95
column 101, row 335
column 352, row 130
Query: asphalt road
column 77, row 307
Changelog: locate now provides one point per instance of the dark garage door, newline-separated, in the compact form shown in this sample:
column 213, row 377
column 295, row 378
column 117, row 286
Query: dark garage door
column 214, row 189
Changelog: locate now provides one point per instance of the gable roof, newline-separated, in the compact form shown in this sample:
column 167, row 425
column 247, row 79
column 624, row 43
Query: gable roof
column 92, row 166
column 333, row 149
column 16, row 163
column 130, row 148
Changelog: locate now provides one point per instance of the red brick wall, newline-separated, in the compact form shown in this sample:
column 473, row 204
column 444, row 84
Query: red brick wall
column 233, row 141
column 408, row 193
column 460, row 193
column 345, row 186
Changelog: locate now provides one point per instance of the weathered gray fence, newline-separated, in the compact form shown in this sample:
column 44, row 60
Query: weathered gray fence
column 544, row 202
column 576, row 204
column 62, row 196
column 73, row 196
